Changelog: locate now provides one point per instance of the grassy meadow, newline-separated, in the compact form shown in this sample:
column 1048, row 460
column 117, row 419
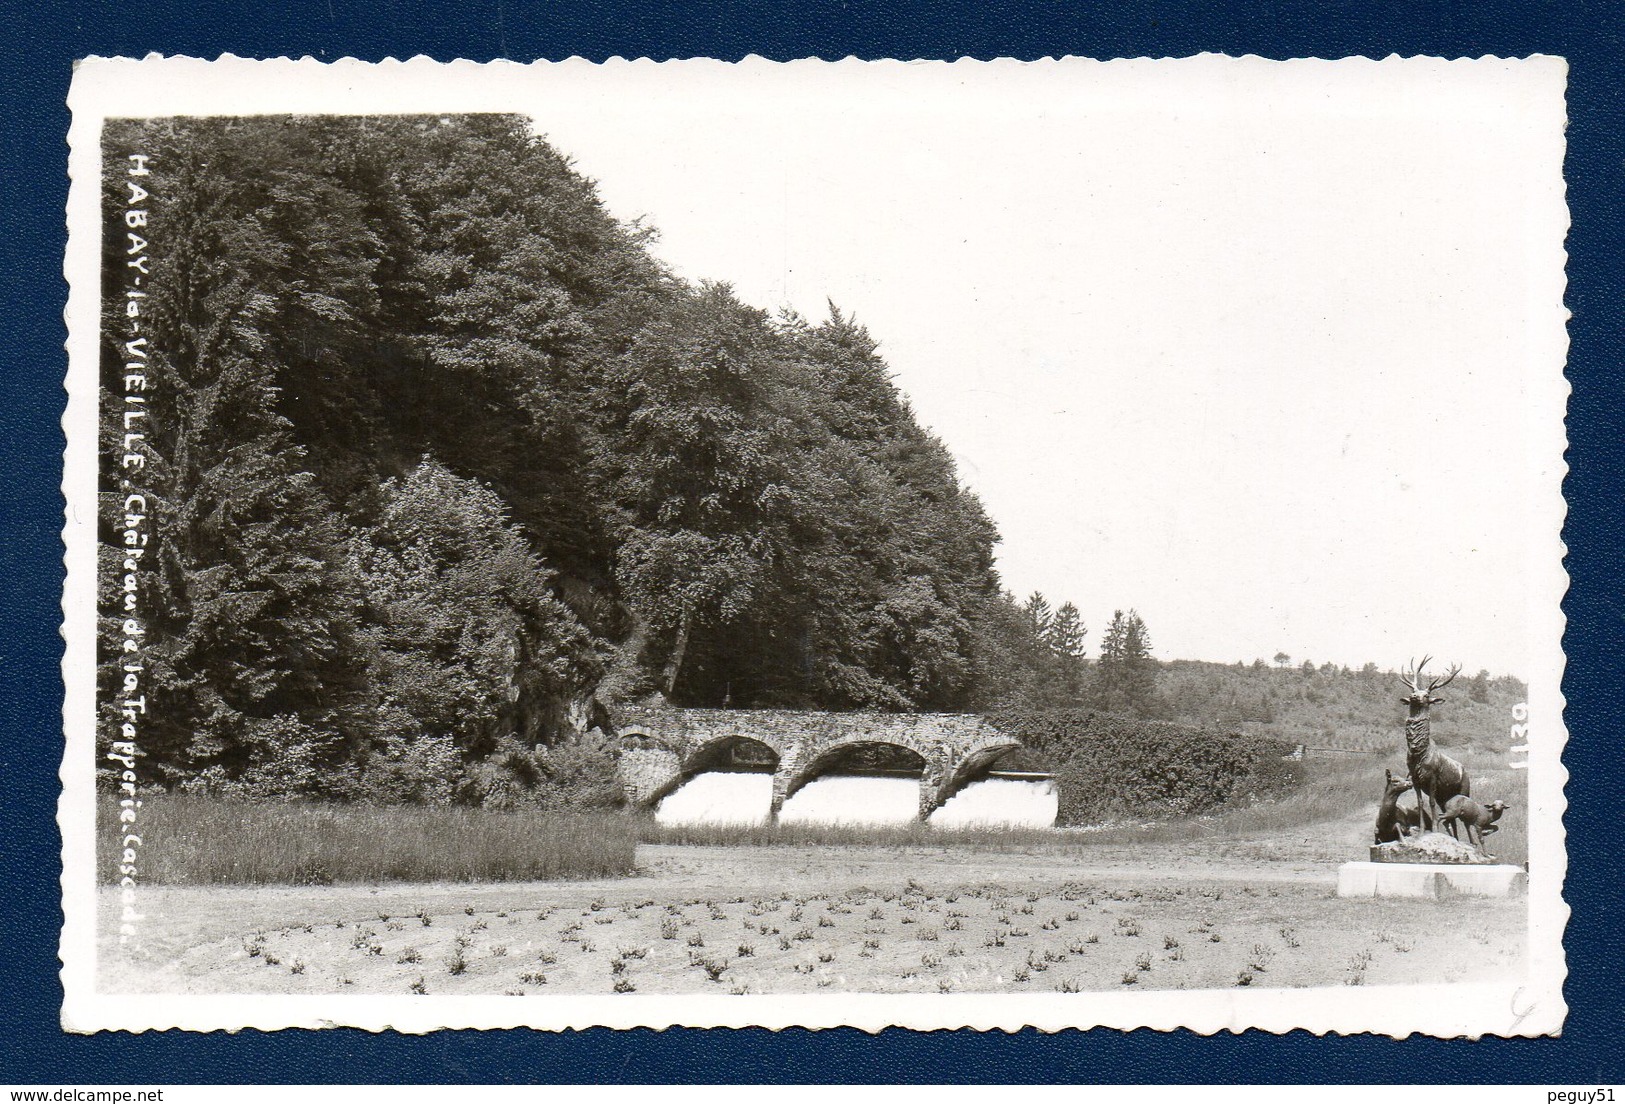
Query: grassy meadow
column 1337, row 786
column 192, row 840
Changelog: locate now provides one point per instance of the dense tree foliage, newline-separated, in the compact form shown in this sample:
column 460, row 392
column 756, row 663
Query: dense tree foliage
column 442, row 460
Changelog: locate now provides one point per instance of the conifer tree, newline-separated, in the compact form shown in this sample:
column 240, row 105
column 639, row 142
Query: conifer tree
column 1066, row 642
column 1039, row 614
column 1126, row 673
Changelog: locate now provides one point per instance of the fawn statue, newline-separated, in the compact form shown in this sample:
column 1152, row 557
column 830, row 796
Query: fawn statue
column 1473, row 817
column 1394, row 821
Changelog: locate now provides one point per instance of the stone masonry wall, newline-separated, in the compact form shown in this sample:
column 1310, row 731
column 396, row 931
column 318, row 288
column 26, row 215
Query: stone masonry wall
column 646, row 771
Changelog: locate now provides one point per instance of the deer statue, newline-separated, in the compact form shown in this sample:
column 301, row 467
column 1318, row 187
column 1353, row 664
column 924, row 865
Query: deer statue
column 1473, row 817
column 1393, row 821
column 1436, row 776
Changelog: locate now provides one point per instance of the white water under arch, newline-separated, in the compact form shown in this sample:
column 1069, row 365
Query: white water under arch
column 1007, row 802
column 718, row 797
column 732, row 797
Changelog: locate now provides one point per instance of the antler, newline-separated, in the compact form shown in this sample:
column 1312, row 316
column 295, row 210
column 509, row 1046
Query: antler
column 1410, row 674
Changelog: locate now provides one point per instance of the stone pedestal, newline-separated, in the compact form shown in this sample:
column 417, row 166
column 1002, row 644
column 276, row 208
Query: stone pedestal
column 1430, row 847
column 1430, row 880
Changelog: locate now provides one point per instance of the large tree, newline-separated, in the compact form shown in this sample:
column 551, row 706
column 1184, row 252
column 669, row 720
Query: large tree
column 701, row 485
column 469, row 649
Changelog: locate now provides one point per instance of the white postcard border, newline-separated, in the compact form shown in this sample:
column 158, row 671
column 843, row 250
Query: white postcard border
column 160, row 86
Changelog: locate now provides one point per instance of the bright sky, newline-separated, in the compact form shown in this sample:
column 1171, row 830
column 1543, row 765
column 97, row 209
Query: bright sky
column 1256, row 349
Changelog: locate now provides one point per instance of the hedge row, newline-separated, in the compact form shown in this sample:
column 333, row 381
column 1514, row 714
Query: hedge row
column 1110, row 767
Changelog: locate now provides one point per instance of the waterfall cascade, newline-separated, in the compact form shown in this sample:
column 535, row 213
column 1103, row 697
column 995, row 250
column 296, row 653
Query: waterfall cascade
column 744, row 798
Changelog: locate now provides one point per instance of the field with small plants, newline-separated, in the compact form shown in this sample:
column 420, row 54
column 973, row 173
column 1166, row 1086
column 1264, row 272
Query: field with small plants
column 911, row 938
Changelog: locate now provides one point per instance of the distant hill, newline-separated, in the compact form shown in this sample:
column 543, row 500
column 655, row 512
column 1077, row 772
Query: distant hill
column 1335, row 708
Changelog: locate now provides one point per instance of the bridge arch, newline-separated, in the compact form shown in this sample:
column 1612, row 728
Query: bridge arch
column 739, row 752
column 887, row 755
column 919, row 759
column 745, row 754
column 970, row 765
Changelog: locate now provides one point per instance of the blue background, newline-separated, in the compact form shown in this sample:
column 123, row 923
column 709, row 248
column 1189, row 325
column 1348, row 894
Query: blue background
column 40, row 42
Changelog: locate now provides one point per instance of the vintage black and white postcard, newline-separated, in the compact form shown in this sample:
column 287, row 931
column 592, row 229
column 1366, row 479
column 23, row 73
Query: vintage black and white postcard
column 995, row 544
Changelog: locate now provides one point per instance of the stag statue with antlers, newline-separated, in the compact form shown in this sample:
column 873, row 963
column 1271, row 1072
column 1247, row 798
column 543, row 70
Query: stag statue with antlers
column 1436, row 776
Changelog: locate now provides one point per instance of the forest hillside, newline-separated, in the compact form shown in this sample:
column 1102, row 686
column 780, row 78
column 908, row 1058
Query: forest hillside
column 1335, row 708
column 442, row 462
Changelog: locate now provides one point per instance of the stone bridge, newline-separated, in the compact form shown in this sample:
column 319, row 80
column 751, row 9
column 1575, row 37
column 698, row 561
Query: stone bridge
column 660, row 749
